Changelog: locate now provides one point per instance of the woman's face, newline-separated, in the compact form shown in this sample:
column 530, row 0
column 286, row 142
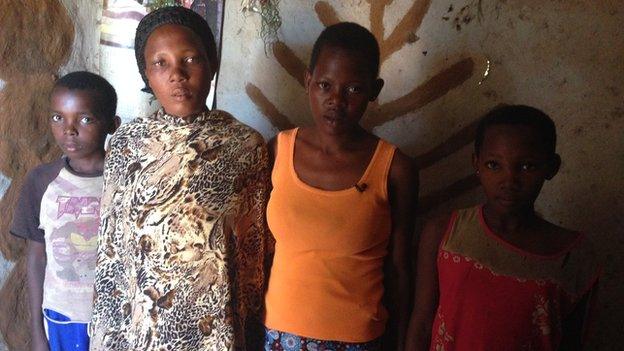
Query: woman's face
column 177, row 69
column 339, row 90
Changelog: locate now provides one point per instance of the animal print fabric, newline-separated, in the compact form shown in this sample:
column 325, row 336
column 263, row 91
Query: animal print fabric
column 183, row 240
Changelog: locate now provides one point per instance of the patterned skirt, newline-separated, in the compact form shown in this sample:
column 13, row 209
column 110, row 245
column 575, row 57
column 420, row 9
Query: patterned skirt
column 275, row 340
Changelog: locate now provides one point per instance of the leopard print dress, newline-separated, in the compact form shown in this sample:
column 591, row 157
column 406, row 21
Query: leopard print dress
column 183, row 239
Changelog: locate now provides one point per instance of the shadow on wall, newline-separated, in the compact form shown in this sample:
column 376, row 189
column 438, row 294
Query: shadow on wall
column 446, row 79
column 32, row 49
column 546, row 54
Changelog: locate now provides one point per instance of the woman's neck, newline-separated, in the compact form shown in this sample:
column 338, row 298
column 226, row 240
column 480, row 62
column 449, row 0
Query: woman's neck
column 335, row 143
column 188, row 116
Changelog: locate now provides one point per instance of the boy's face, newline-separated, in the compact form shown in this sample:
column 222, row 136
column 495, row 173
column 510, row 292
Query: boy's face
column 512, row 166
column 78, row 131
column 339, row 89
column 177, row 69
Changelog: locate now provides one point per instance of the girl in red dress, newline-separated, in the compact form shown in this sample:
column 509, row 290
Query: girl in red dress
column 497, row 276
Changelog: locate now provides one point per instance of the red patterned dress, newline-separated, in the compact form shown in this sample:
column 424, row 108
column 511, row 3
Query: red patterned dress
column 495, row 296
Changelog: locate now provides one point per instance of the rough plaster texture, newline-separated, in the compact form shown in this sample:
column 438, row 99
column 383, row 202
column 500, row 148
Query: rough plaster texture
column 38, row 41
column 85, row 53
column 118, row 65
column 557, row 55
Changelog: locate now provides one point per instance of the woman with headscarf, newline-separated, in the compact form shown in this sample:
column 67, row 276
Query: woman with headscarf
column 182, row 237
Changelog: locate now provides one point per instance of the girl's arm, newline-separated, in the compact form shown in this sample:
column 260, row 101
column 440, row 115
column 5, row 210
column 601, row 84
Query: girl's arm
column 35, row 270
column 427, row 289
column 574, row 326
column 403, row 195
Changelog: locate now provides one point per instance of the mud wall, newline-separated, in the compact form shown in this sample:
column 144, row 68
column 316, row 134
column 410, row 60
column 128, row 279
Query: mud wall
column 39, row 40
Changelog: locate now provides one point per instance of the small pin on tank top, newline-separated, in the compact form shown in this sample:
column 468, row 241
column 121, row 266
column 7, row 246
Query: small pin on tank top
column 360, row 187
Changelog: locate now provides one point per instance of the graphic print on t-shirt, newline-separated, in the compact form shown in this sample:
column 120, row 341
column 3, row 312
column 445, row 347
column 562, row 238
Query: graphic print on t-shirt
column 70, row 217
column 74, row 243
column 78, row 205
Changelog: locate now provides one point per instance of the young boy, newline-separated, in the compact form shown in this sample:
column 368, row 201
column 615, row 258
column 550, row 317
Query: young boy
column 58, row 212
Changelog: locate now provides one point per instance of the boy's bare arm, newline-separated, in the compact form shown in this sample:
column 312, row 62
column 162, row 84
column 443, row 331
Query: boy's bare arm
column 427, row 292
column 403, row 194
column 35, row 265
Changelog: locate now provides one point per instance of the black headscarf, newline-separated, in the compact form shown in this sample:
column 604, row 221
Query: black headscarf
column 173, row 15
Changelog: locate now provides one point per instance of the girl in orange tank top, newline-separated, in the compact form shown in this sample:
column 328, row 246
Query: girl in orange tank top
column 341, row 211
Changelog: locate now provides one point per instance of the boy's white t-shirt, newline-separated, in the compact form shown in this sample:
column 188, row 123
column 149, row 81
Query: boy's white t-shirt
column 69, row 216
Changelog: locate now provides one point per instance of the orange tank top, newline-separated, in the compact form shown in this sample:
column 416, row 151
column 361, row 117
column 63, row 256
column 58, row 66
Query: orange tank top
column 326, row 281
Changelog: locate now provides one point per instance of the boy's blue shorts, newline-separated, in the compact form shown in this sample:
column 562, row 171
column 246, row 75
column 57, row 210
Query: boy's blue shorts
column 65, row 335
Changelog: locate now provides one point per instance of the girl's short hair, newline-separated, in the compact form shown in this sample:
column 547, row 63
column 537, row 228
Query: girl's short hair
column 351, row 37
column 519, row 115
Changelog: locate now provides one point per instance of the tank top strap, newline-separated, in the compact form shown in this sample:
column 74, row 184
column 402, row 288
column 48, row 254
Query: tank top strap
column 375, row 176
column 379, row 168
column 285, row 148
column 463, row 225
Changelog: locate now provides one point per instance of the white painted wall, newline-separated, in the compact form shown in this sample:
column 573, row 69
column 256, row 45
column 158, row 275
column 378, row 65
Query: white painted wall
column 563, row 57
